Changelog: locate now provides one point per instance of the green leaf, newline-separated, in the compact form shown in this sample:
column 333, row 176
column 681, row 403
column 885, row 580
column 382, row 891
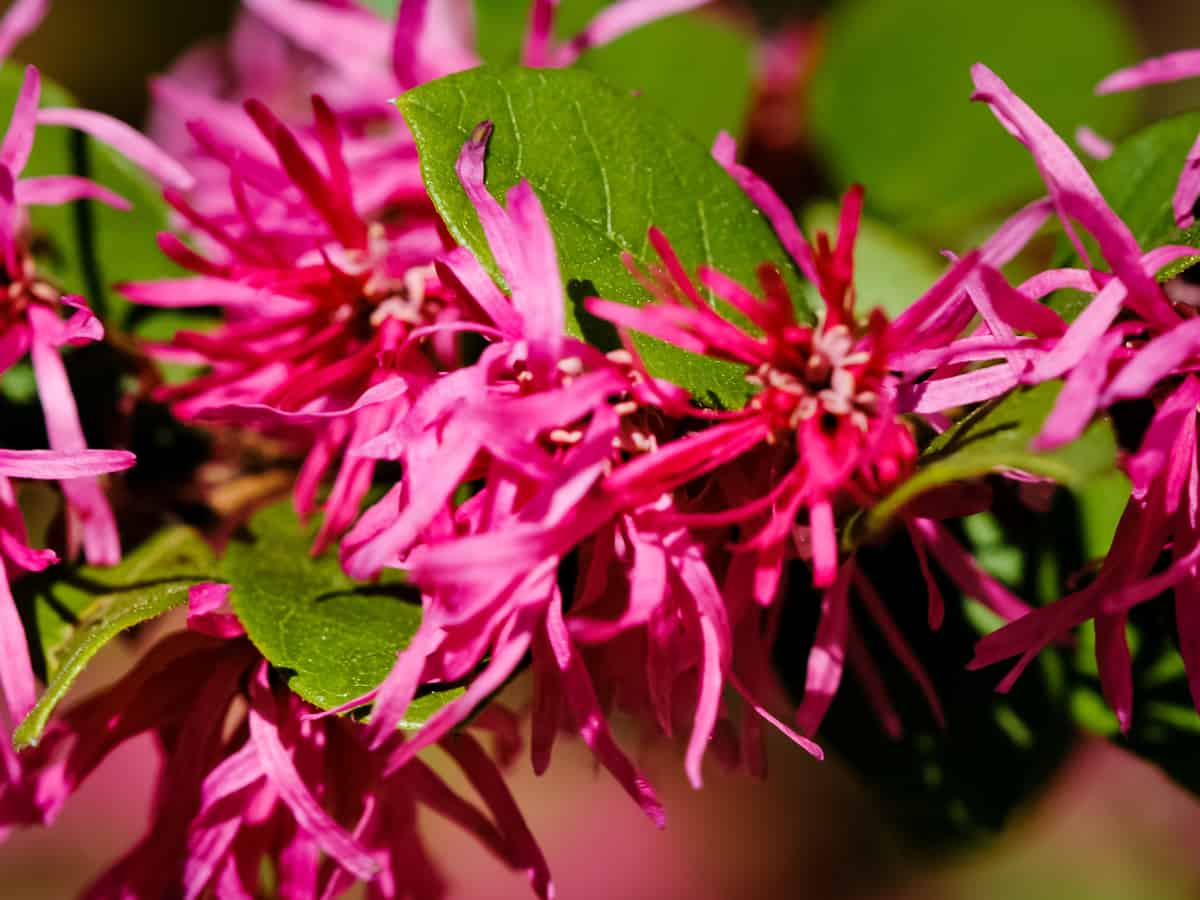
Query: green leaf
column 385, row 8
column 890, row 270
column 606, row 167
column 1139, row 179
column 86, row 246
column 996, row 437
column 889, row 104
column 71, row 613
column 657, row 60
column 333, row 638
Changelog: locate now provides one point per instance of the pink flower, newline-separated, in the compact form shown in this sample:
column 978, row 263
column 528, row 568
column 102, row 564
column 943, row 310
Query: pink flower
column 320, row 239
column 320, row 304
column 1129, row 343
column 538, row 419
column 250, row 775
column 823, row 420
column 283, row 51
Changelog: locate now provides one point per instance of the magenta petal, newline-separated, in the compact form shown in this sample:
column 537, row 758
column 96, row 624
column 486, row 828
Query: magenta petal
column 393, row 696
column 620, row 18
column 523, row 848
column 1079, row 398
column 282, row 774
column 715, row 641
column 1115, row 666
column 1074, row 193
column 433, row 38
column 223, row 805
column 584, row 707
column 964, row 570
column 1092, row 143
column 541, row 303
column 55, row 190
column 197, row 290
column 351, row 39
column 1188, row 189
column 1152, row 457
column 826, row 659
column 126, row 140
column 1082, row 334
column 55, row 464
column 894, row 636
column 1170, row 67
column 264, row 416
column 1016, row 232
column 209, row 611
column 20, row 19
column 16, row 671
column 939, row 394
column 87, row 507
column 771, row 204
column 1159, row 358
column 83, row 327
column 467, row 270
column 18, row 140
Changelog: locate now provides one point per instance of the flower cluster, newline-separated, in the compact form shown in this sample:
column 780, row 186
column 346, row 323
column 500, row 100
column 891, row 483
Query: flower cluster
column 559, row 507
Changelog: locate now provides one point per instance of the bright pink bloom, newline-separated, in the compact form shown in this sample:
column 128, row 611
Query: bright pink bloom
column 825, row 420
column 319, row 303
column 538, row 418
column 1129, row 343
column 283, row 51
column 320, row 239
column 278, row 784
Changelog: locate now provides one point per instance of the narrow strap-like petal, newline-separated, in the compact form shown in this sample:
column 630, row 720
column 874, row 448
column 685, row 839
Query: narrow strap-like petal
column 56, row 464
column 131, row 143
column 55, row 190
column 18, row 140
column 281, row 771
column 827, row 658
column 617, row 19
column 21, row 19
column 1169, row 67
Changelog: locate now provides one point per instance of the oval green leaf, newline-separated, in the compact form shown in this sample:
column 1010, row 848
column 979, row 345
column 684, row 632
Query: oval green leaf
column 606, row 166
column 657, row 60
column 332, row 638
column 997, row 437
column 889, row 105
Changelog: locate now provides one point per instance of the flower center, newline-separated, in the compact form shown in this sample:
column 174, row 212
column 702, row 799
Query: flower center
column 832, row 382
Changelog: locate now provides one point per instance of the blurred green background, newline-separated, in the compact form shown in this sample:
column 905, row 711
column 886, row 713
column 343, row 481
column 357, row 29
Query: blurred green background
column 1110, row 828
